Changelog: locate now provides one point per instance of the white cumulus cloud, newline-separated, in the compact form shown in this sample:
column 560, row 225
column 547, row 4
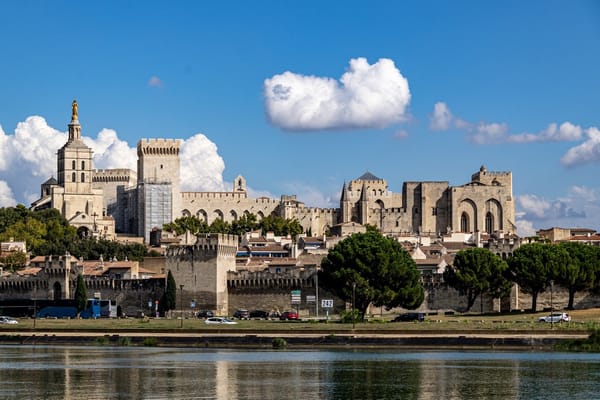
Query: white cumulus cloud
column 488, row 133
column 6, row 196
column 442, row 119
column 579, row 207
column 586, row 152
column 111, row 152
column 532, row 204
column 525, row 228
column 28, row 158
column 201, row 165
column 366, row 96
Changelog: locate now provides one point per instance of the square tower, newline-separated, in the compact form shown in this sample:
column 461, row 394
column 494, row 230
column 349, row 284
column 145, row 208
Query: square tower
column 158, row 173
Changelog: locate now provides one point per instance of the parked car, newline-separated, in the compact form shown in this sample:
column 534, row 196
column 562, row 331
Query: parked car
column 288, row 315
column 241, row 314
column 205, row 314
column 555, row 317
column 8, row 320
column 259, row 314
column 410, row 316
column 219, row 320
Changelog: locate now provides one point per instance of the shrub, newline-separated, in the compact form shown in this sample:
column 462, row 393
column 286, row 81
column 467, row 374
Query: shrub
column 279, row 343
column 348, row 316
column 150, row 342
column 124, row 341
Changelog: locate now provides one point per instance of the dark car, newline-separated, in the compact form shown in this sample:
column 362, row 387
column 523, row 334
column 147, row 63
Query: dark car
column 205, row 314
column 289, row 315
column 259, row 314
column 410, row 316
column 241, row 314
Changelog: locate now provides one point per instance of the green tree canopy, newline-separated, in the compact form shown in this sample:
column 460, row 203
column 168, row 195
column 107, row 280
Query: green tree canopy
column 280, row 226
column 47, row 232
column 246, row 223
column 579, row 272
column 189, row 223
column 29, row 230
column 13, row 260
column 476, row 272
column 533, row 266
column 378, row 269
column 220, row 226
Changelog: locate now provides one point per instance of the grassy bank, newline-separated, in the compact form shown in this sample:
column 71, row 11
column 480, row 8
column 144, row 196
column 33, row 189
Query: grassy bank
column 582, row 321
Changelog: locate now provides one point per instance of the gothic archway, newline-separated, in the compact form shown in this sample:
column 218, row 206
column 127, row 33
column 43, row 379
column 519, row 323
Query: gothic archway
column 56, row 291
column 83, row 232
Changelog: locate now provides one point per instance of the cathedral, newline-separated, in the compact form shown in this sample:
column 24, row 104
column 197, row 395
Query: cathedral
column 73, row 193
column 102, row 202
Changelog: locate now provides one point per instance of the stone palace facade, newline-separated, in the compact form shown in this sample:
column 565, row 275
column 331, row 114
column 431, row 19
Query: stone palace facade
column 102, row 202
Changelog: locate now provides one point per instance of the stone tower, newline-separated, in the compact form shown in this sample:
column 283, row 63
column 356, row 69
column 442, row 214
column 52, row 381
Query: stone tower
column 202, row 270
column 159, row 197
column 75, row 160
column 72, row 193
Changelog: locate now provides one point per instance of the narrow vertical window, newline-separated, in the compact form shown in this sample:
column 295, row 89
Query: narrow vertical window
column 82, row 177
column 83, row 164
column 74, row 165
column 464, row 223
column 73, row 177
column 489, row 223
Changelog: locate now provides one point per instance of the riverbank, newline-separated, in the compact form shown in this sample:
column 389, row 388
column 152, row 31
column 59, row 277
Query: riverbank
column 291, row 340
column 511, row 331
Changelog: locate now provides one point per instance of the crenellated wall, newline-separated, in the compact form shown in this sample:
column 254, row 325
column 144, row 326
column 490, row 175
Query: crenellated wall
column 202, row 270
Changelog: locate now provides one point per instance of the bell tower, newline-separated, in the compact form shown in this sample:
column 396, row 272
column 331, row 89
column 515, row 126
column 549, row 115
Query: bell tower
column 75, row 159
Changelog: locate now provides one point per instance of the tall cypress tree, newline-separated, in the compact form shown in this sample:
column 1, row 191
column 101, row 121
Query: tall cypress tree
column 80, row 294
column 169, row 299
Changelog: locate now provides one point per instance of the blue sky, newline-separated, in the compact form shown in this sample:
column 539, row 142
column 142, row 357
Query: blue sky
column 299, row 97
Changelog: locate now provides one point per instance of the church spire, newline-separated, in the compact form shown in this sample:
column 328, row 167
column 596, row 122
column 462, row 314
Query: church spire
column 74, row 127
column 344, row 192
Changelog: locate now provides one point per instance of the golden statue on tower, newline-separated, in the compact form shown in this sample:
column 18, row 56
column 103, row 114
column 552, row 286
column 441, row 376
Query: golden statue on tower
column 74, row 116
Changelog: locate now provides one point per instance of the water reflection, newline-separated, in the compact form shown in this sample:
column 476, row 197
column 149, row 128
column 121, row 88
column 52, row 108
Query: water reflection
column 158, row 373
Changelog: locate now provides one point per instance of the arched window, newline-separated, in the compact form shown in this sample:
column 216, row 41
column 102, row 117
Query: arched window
column 73, row 177
column 74, row 165
column 464, row 223
column 489, row 222
column 82, row 164
column 83, row 177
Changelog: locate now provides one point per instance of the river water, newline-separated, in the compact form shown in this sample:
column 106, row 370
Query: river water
column 50, row 372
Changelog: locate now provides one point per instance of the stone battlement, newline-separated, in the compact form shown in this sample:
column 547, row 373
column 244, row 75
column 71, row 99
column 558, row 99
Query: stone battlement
column 158, row 147
column 113, row 175
column 213, row 195
column 207, row 246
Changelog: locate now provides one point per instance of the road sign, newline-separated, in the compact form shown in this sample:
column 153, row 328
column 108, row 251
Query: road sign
column 327, row 303
column 296, row 296
column 311, row 299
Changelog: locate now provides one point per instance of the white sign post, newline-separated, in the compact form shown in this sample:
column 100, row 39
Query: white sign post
column 326, row 304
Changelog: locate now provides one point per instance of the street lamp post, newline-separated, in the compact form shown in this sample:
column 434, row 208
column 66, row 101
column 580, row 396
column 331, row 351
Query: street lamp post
column 353, row 294
column 34, row 304
column 181, row 304
column 551, row 305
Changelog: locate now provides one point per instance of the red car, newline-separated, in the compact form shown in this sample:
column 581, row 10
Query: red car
column 289, row 315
